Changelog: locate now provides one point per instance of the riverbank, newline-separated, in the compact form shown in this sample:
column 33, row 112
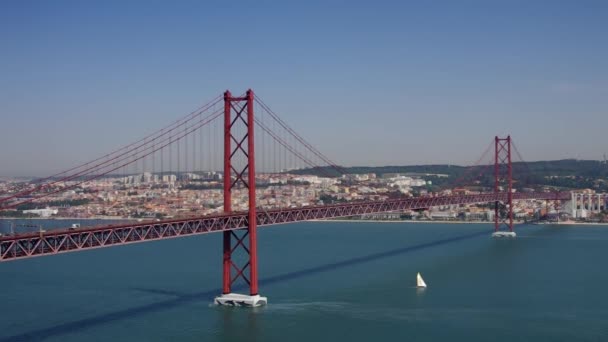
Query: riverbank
column 572, row 223
column 401, row 221
column 566, row 223
column 105, row 218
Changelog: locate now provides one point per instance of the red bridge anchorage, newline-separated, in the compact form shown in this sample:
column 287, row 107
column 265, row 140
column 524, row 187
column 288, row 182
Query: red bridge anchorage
column 61, row 241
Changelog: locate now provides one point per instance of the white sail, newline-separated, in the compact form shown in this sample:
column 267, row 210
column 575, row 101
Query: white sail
column 419, row 281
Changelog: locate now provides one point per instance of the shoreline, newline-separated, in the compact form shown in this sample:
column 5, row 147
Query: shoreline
column 465, row 222
column 398, row 221
column 567, row 223
column 65, row 219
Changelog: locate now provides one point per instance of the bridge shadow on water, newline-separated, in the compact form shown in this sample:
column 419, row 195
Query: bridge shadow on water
column 183, row 298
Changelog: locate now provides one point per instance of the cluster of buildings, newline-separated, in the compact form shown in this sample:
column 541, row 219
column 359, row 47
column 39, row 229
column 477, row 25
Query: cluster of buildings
column 168, row 195
column 171, row 179
column 586, row 204
column 173, row 195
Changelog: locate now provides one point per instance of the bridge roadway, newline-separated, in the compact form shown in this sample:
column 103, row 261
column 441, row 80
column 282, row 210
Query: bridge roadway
column 66, row 240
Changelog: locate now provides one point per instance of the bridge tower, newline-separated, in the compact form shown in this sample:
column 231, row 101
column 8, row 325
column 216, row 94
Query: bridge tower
column 240, row 246
column 503, row 182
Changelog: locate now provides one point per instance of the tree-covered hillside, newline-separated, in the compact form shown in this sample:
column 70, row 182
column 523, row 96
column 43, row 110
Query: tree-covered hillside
column 566, row 173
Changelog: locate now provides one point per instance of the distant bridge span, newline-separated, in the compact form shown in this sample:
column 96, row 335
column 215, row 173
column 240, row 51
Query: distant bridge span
column 63, row 240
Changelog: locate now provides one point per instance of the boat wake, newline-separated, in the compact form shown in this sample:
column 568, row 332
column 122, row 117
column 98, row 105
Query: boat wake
column 299, row 307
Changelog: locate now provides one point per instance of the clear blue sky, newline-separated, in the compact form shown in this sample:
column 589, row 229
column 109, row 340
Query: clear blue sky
column 369, row 83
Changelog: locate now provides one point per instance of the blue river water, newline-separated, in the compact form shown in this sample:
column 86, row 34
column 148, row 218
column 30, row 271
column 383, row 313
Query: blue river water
column 325, row 281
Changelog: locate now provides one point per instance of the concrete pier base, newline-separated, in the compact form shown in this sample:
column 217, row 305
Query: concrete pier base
column 501, row 234
column 235, row 299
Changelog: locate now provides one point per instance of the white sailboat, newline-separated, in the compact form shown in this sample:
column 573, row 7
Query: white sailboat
column 419, row 281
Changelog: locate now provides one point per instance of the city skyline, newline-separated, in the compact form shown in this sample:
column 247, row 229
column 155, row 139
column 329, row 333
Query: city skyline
column 365, row 84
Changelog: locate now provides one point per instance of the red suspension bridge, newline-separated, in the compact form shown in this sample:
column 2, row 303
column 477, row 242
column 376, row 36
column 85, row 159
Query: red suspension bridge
column 277, row 148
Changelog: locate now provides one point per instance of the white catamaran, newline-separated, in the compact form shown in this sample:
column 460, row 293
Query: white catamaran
column 420, row 282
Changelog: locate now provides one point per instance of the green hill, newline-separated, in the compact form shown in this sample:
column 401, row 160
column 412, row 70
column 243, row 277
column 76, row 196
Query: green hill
column 566, row 174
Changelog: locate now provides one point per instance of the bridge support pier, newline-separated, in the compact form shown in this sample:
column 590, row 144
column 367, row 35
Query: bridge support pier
column 240, row 256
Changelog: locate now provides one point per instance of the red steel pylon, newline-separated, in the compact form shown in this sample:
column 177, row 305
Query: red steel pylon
column 503, row 181
column 238, row 111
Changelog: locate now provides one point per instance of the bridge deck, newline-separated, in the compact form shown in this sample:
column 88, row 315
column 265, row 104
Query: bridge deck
column 65, row 240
